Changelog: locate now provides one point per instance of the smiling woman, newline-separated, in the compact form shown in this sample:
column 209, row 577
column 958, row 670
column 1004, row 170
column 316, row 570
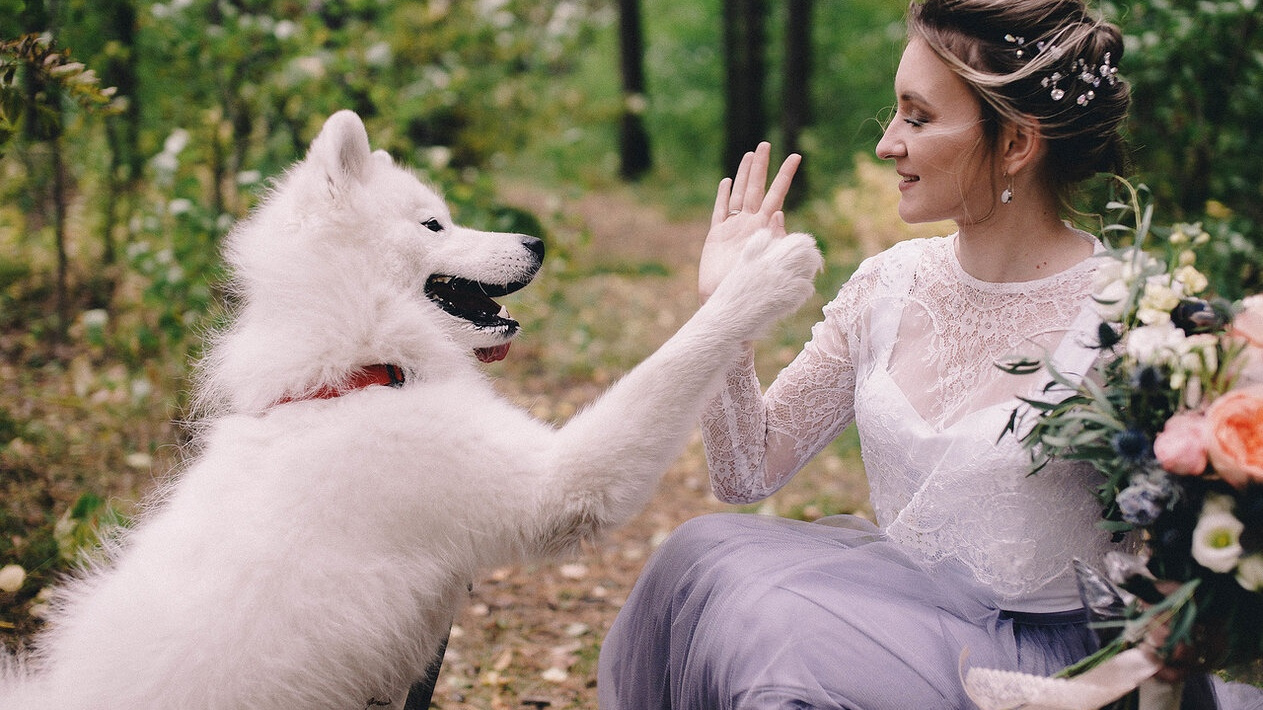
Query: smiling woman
column 1002, row 107
column 936, row 140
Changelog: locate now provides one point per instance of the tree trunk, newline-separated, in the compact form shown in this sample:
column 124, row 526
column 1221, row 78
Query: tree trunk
column 122, row 130
column 745, row 122
column 41, row 16
column 61, row 207
column 635, row 156
column 796, row 104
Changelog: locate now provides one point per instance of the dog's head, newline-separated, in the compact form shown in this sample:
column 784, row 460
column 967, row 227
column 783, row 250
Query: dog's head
column 351, row 260
column 458, row 270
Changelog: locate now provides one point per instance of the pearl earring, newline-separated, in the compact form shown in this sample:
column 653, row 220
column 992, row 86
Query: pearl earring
column 1007, row 195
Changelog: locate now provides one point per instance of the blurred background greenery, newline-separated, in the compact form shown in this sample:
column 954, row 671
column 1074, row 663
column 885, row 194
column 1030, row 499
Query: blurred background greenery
column 133, row 133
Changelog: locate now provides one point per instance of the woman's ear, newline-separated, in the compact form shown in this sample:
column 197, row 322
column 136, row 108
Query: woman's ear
column 1021, row 145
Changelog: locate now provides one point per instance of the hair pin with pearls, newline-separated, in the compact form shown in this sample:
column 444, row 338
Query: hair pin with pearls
column 1088, row 74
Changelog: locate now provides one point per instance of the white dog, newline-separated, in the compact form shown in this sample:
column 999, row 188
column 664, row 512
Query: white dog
column 314, row 550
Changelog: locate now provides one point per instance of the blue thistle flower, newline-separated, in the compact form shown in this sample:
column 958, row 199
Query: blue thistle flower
column 1144, row 500
column 1133, row 445
column 1149, row 379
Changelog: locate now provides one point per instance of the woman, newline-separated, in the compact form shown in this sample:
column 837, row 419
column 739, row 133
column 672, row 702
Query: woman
column 1002, row 107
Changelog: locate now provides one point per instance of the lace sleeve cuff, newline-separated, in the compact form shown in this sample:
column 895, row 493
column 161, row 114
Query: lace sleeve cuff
column 734, row 433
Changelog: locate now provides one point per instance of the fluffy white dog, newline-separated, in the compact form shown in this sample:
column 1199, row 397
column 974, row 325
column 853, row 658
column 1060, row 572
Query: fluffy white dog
column 314, row 550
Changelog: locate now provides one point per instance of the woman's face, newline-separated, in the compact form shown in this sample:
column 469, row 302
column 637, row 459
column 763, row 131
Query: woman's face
column 937, row 143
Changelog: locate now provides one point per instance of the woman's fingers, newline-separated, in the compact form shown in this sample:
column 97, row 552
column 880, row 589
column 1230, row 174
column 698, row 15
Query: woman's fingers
column 757, row 181
column 775, row 198
column 745, row 192
column 778, row 224
column 739, row 182
column 722, row 197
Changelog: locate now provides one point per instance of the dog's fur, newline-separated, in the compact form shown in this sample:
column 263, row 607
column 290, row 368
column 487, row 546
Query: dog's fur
column 313, row 551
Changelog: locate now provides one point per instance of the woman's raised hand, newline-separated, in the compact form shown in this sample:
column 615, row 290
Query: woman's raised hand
column 741, row 209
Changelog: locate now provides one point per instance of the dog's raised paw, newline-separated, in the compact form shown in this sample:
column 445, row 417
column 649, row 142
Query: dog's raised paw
column 774, row 278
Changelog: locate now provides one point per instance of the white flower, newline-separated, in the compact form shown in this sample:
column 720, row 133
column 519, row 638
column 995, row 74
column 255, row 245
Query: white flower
column 1192, row 280
column 1193, row 394
column 1160, row 296
column 1111, row 301
column 1250, row 572
column 1196, row 355
column 1155, row 344
column 1217, row 537
column 11, row 578
column 1195, row 359
column 285, row 29
column 1107, row 274
column 1114, row 278
column 95, row 319
column 176, row 142
column 378, row 55
column 165, row 162
column 309, row 66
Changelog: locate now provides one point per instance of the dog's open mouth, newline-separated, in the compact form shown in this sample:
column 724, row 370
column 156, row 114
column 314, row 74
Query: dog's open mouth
column 472, row 301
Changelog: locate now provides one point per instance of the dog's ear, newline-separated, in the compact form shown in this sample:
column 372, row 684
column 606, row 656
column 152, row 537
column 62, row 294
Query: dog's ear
column 341, row 150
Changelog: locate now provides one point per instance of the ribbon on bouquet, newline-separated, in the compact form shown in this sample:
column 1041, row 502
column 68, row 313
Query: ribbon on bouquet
column 994, row 689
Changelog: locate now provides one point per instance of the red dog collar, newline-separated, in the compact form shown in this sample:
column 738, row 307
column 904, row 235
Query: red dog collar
column 388, row 375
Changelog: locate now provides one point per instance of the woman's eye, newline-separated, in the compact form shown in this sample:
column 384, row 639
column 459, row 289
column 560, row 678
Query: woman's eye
column 432, row 225
column 914, row 121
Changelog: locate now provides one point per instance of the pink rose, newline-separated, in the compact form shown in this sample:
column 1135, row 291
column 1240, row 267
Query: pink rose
column 1249, row 367
column 1235, row 443
column 1181, row 445
column 1248, row 323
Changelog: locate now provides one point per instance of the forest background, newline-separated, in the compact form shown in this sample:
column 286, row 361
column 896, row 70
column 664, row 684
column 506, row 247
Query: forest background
column 133, row 134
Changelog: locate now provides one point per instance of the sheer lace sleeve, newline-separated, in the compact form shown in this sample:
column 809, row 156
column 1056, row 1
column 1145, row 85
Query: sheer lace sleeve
column 756, row 442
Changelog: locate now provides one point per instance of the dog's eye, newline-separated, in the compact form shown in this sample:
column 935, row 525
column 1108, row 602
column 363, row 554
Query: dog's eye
column 432, row 225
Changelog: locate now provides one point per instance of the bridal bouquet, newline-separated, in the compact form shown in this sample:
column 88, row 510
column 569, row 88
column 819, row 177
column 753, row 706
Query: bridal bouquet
column 1172, row 417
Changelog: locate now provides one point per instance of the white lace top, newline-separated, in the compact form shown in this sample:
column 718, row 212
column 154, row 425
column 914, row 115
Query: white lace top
column 908, row 350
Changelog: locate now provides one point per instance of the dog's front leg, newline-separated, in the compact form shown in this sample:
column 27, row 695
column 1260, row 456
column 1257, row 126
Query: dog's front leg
column 611, row 455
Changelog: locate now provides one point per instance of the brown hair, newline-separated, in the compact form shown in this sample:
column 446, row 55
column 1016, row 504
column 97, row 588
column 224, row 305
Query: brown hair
column 1050, row 63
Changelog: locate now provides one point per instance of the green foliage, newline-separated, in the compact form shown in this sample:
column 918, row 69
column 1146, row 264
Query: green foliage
column 1196, row 70
column 82, row 528
column 856, row 49
column 9, row 10
column 1197, row 76
column 177, row 283
column 34, row 75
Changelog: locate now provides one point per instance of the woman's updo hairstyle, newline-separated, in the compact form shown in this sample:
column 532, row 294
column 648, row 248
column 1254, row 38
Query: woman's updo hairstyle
column 1051, row 62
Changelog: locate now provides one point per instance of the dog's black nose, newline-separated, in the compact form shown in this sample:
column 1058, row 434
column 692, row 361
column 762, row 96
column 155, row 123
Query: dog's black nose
column 535, row 246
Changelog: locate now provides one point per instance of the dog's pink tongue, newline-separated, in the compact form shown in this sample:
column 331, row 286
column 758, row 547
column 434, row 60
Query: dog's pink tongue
column 492, row 354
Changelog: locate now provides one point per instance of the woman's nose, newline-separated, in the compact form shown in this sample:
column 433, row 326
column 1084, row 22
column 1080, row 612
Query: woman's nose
column 890, row 146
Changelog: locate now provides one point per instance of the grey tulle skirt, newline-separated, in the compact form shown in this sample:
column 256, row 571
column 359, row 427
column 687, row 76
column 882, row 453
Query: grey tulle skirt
column 747, row 611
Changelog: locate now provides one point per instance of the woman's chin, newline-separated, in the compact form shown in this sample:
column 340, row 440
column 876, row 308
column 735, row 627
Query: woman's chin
column 911, row 215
